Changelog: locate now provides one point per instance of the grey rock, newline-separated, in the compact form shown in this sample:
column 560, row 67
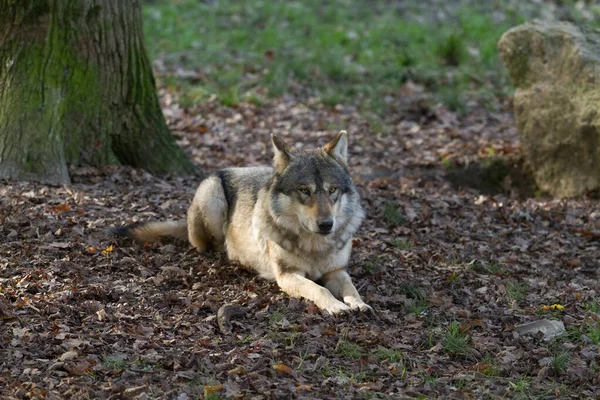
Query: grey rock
column 549, row 328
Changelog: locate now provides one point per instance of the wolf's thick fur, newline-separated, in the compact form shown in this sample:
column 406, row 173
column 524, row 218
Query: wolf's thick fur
column 292, row 223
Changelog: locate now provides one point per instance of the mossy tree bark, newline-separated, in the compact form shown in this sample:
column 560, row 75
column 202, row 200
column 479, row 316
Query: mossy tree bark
column 76, row 88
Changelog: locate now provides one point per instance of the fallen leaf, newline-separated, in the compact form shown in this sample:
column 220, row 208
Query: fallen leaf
column 282, row 368
column 481, row 367
column 303, row 388
column 101, row 314
column 239, row 370
column 69, row 355
column 62, row 208
column 79, row 368
column 210, row 390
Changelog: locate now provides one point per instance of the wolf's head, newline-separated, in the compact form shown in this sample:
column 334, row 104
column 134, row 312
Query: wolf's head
column 313, row 188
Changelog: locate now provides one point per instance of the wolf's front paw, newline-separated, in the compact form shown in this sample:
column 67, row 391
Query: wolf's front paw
column 336, row 308
column 359, row 305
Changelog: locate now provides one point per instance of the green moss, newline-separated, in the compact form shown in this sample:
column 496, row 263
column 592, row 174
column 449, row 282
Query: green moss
column 516, row 59
column 35, row 10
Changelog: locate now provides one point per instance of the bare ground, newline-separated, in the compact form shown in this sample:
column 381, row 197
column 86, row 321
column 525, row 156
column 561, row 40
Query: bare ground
column 85, row 316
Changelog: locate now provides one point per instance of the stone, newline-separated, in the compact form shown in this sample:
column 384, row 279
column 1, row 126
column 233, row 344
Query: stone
column 549, row 328
column 555, row 68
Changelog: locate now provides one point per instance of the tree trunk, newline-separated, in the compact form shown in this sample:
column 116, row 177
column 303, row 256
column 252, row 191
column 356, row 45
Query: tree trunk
column 76, row 88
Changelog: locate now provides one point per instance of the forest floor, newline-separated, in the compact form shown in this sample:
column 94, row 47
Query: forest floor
column 457, row 251
column 450, row 271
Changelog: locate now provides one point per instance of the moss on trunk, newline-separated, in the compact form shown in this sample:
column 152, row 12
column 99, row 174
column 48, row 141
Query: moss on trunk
column 76, row 88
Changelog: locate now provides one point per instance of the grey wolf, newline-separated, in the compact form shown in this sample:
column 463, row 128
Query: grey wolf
column 292, row 223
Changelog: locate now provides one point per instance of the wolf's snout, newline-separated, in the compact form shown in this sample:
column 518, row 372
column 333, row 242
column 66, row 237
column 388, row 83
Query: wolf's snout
column 325, row 225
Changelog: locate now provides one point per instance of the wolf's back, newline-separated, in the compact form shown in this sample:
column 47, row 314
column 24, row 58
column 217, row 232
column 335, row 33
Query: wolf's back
column 239, row 187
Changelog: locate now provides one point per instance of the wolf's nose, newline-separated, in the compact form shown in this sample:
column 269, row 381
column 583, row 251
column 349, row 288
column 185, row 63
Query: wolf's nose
column 325, row 225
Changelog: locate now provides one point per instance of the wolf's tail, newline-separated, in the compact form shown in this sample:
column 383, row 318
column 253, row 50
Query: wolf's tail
column 152, row 231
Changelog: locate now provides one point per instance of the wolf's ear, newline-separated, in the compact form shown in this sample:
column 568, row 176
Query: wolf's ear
column 338, row 147
column 282, row 153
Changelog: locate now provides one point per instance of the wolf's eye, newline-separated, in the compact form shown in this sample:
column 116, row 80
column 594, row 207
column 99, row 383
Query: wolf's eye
column 333, row 189
column 304, row 191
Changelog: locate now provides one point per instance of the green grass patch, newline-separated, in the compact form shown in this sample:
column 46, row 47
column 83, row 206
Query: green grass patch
column 454, row 98
column 247, row 339
column 391, row 355
column 392, row 214
column 516, row 291
column 489, row 367
column 345, row 374
column 417, row 299
column 428, row 378
column 412, row 292
column 456, row 342
column 144, row 365
column 348, row 349
column 454, row 278
column 572, row 334
column 401, row 244
column 486, row 267
column 451, row 49
column 276, row 317
column 292, row 338
column 115, row 363
column 340, row 51
column 520, row 386
column 593, row 306
column 460, row 383
column 374, row 265
column 592, row 332
column 560, row 361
